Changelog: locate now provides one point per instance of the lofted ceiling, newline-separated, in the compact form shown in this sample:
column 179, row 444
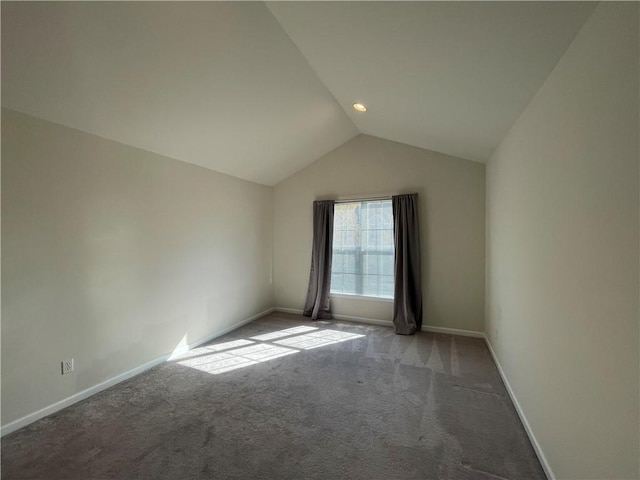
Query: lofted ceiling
column 216, row 84
column 259, row 91
column 446, row 76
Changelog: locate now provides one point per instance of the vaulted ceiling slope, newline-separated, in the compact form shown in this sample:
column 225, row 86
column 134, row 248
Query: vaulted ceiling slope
column 261, row 91
column 446, row 76
column 216, row 84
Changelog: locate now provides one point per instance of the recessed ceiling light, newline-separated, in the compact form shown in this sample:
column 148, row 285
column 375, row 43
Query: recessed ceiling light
column 359, row 107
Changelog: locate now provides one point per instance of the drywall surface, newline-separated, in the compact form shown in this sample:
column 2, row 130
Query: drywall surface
column 114, row 256
column 216, row 84
column 562, row 253
column 452, row 221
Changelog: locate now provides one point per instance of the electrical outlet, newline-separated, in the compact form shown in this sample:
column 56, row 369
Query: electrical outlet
column 67, row 366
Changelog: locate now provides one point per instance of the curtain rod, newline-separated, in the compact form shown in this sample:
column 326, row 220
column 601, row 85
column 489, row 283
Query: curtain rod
column 365, row 199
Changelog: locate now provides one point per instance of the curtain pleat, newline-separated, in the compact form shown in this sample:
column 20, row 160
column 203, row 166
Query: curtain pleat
column 317, row 305
column 407, row 299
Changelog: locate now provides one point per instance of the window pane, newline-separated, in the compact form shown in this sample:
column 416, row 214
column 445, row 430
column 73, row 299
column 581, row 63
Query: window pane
column 387, row 264
column 370, row 285
column 387, row 286
column 349, row 283
column 337, row 284
column 371, row 264
column 349, row 261
column 372, row 240
column 363, row 248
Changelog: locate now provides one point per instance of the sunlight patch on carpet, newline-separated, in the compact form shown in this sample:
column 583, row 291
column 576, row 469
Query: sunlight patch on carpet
column 235, row 354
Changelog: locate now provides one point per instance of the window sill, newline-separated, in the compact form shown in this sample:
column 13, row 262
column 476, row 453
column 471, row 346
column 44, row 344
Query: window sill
column 361, row 297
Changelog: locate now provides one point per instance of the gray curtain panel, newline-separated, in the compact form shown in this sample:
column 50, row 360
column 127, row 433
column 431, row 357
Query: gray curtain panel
column 407, row 298
column 317, row 304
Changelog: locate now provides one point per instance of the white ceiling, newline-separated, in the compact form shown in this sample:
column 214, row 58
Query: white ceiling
column 222, row 84
column 446, row 76
column 219, row 85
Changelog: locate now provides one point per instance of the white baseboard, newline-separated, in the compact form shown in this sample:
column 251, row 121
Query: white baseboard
column 370, row 321
column 294, row 311
column 346, row 318
column 389, row 323
column 452, row 331
column 43, row 412
column 48, row 410
column 536, row 446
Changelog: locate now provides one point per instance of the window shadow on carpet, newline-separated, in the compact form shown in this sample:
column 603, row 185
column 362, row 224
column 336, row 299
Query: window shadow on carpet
column 228, row 356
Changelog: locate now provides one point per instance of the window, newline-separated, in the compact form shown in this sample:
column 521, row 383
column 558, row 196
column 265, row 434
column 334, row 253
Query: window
column 363, row 249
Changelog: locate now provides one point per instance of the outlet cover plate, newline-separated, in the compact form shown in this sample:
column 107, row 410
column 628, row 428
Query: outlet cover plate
column 67, row 366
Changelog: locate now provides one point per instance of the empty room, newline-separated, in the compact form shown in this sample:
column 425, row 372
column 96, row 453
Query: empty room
column 320, row 240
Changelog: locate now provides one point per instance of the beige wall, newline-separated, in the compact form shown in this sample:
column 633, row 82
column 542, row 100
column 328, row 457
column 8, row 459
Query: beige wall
column 111, row 255
column 452, row 196
column 562, row 253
